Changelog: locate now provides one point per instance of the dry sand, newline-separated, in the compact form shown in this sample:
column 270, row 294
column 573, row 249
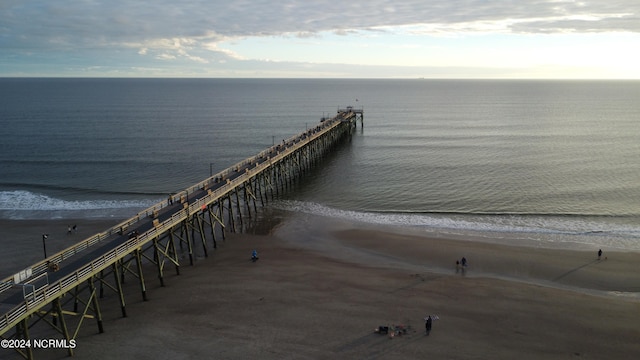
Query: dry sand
column 300, row 303
column 21, row 240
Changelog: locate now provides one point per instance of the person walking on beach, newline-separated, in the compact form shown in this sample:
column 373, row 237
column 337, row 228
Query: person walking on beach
column 428, row 324
column 599, row 254
column 464, row 261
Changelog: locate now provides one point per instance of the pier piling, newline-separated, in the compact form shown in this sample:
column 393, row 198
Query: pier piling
column 227, row 201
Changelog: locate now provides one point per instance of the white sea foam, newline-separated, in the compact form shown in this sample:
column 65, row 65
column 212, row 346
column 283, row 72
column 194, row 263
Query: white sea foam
column 552, row 231
column 21, row 204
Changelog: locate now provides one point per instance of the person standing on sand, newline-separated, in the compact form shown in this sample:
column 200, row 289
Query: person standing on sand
column 428, row 324
column 599, row 254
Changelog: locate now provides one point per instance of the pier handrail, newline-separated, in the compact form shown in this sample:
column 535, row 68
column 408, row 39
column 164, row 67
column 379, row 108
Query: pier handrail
column 42, row 266
column 110, row 256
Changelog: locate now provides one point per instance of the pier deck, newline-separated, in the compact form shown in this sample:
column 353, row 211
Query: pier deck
column 216, row 204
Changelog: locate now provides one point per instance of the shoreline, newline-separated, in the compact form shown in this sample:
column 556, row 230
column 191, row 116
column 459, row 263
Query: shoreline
column 437, row 252
column 320, row 295
column 412, row 249
column 575, row 270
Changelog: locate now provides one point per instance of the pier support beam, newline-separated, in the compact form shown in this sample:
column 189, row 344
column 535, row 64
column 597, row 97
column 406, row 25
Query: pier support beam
column 224, row 200
column 96, row 305
column 116, row 275
column 143, row 287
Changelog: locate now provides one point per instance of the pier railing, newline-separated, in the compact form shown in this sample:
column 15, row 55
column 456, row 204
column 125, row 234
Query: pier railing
column 232, row 177
column 120, row 228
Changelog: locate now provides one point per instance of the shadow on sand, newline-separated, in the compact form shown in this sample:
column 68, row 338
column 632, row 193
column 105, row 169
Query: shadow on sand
column 574, row 270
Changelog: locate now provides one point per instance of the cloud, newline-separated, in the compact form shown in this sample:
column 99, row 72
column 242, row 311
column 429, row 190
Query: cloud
column 213, row 46
column 580, row 24
column 83, row 23
column 165, row 56
column 193, row 30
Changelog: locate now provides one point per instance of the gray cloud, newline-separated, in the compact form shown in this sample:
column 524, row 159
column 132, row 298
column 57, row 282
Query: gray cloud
column 609, row 24
column 172, row 29
column 76, row 21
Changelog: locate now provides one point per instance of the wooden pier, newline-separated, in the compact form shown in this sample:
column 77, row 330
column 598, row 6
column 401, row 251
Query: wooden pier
column 64, row 290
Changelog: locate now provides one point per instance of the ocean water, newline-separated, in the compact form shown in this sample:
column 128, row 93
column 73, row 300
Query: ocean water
column 553, row 162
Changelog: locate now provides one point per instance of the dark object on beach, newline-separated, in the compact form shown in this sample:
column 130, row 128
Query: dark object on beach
column 464, row 262
column 254, row 256
column 383, row 329
column 599, row 254
column 428, row 324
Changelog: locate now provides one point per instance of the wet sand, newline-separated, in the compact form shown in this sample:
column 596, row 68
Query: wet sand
column 299, row 302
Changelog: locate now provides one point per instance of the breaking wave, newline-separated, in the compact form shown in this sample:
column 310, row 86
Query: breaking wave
column 550, row 230
column 21, row 204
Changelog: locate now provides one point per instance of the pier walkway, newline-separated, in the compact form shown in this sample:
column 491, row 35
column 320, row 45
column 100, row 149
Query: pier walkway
column 65, row 288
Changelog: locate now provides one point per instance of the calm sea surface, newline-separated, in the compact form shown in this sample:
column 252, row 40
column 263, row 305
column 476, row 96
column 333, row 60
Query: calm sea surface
column 550, row 161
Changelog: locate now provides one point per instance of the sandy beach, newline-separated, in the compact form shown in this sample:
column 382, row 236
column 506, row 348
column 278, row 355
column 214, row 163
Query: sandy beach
column 302, row 302
column 21, row 240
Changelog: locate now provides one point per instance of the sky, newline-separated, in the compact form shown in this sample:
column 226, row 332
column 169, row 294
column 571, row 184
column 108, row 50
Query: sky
column 546, row 39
